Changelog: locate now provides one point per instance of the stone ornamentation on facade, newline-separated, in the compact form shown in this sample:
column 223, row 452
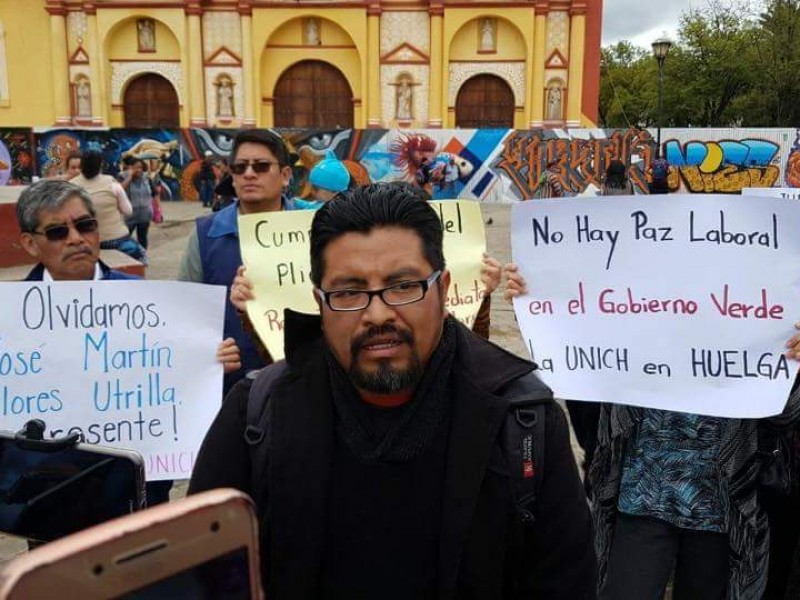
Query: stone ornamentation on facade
column 146, row 29
column 554, row 94
column 311, row 33
column 83, row 98
column 488, row 38
column 224, row 97
column 405, row 98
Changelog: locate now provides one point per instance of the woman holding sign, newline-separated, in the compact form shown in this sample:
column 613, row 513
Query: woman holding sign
column 681, row 491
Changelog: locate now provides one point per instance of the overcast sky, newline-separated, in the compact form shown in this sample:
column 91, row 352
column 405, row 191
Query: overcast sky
column 644, row 21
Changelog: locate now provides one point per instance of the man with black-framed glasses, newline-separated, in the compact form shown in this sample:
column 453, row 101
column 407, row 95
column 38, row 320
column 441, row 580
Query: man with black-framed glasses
column 382, row 452
column 259, row 165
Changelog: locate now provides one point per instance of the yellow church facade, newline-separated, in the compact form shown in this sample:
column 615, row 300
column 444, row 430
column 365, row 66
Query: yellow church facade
column 297, row 63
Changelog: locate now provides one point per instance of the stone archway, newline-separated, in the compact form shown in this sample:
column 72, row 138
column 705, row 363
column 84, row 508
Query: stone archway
column 485, row 101
column 313, row 94
column 150, row 101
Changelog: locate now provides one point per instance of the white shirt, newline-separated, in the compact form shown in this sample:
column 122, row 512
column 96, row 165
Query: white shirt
column 98, row 274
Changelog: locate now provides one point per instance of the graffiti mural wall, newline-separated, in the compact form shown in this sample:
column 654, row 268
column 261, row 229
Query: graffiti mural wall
column 491, row 165
column 16, row 156
column 726, row 160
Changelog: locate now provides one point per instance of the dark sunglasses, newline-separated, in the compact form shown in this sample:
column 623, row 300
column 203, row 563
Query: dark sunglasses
column 57, row 233
column 259, row 166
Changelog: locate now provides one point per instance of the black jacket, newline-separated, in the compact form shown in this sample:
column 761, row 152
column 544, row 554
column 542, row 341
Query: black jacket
column 485, row 552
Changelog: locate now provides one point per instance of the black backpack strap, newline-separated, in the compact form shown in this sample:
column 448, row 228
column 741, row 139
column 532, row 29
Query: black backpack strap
column 527, row 399
column 263, row 383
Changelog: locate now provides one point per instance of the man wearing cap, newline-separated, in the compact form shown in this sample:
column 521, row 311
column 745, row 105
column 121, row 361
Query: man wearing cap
column 259, row 165
column 328, row 178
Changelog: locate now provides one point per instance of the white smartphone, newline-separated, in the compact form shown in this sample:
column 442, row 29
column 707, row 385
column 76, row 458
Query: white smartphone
column 203, row 546
column 49, row 489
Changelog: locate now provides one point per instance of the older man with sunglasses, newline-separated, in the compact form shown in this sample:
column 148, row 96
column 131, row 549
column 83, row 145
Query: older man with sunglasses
column 259, row 165
column 59, row 229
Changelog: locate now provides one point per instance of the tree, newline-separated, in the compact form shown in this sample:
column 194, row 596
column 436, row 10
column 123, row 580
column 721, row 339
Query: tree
column 628, row 87
column 713, row 65
column 776, row 88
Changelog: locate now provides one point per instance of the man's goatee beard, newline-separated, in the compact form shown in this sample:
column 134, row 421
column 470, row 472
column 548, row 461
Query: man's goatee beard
column 387, row 379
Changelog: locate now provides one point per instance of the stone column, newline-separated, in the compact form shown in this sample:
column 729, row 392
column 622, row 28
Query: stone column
column 438, row 79
column 95, row 66
column 539, row 58
column 373, row 65
column 248, row 66
column 60, row 69
column 577, row 45
column 195, row 88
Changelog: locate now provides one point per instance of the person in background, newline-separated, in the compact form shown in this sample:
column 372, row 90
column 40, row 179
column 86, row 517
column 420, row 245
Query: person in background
column 616, row 182
column 549, row 184
column 205, row 180
column 260, row 171
column 112, row 205
column 327, row 178
column 60, row 229
column 156, row 187
column 141, row 191
column 449, row 179
column 659, row 175
column 72, row 166
column 224, row 194
column 424, row 175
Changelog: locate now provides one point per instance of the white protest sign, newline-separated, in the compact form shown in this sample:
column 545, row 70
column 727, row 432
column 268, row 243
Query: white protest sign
column 773, row 192
column 129, row 364
column 679, row 302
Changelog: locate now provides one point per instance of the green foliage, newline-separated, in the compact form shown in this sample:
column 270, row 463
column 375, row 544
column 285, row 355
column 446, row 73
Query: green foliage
column 729, row 67
column 628, row 87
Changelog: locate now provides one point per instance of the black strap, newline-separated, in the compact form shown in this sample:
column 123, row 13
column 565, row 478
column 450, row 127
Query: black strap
column 528, row 398
column 263, row 383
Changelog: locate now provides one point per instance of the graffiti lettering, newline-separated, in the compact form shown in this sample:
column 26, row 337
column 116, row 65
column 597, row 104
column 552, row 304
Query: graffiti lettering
column 580, row 162
column 724, row 166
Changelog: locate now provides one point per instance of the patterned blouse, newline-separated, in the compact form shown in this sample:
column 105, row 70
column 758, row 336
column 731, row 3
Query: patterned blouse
column 670, row 471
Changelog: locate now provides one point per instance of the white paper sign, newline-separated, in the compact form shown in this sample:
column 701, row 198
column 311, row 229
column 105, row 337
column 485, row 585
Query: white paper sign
column 773, row 192
column 680, row 302
column 129, row 364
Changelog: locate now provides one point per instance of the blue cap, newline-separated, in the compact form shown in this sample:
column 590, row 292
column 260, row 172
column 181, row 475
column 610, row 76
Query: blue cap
column 330, row 174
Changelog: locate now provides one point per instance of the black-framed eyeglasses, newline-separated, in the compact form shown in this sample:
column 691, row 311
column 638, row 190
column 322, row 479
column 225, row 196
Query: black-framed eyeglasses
column 405, row 292
column 259, row 166
column 57, row 233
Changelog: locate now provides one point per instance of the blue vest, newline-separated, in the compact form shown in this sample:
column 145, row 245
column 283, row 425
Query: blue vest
column 218, row 237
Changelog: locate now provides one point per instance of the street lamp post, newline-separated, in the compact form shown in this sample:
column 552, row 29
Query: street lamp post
column 660, row 50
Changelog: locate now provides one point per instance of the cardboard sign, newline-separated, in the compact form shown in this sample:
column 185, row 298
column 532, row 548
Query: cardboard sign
column 275, row 250
column 673, row 302
column 128, row 364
